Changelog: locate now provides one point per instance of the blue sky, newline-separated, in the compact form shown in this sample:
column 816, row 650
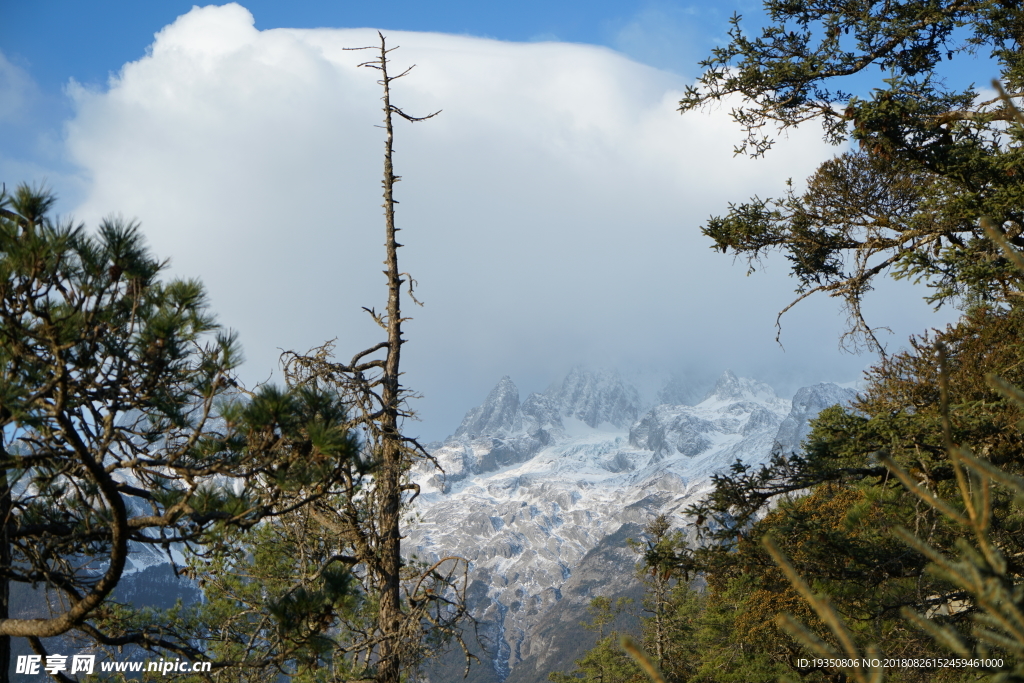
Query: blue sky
column 55, row 41
column 552, row 210
column 61, row 39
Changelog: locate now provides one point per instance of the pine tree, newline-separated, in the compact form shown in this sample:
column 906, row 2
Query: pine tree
column 113, row 436
column 606, row 662
column 865, row 527
column 928, row 158
column 851, row 565
column 983, row 502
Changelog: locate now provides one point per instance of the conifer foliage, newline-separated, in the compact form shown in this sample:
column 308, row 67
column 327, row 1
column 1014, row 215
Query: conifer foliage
column 895, row 534
column 116, row 429
column 929, row 158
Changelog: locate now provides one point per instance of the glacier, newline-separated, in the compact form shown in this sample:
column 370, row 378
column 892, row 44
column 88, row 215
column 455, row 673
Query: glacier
column 533, row 493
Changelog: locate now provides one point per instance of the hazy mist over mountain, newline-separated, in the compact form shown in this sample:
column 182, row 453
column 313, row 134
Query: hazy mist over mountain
column 550, row 213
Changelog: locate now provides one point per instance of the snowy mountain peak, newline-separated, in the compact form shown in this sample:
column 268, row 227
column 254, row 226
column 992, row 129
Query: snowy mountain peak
column 532, row 490
column 597, row 397
column 807, row 403
column 729, row 388
column 498, row 416
column 737, row 416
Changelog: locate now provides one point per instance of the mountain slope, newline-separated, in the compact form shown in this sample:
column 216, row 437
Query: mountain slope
column 533, row 489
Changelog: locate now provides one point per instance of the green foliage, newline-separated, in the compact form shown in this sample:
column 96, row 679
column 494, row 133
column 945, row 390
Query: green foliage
column 985, row 565
column 929, row 160
column 121, row 427
column 100, row 361
column 668, row 626
column 991, row 590
column 856, row 559
column 280, row 602
column 882, row 530
column 688, row 634
column 838, row 508
column 606, row 662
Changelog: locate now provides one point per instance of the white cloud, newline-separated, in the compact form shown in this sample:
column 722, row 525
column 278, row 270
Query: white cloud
column 550, row 213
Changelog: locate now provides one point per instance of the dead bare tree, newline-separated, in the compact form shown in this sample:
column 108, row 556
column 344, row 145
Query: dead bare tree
column 415, row 604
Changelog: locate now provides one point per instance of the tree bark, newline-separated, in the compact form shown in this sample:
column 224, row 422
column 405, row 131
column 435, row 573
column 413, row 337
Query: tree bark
column 5, row 563
column 390, row 490
column 373, row 530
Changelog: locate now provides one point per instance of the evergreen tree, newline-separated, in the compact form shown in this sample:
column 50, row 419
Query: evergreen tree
column 842, row 535
column 853, row 559
column 850, row 558
column 984, row 569
column 666, row 575
column 606, row 662
column 929, row 158
column 112, row 436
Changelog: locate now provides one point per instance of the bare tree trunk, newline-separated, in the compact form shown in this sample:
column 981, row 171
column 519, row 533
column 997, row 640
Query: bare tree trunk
column 393, row 455
column 5, row 563
column 435, row 596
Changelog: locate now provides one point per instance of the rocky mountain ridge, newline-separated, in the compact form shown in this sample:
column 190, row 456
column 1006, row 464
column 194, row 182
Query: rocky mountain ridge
column 533, row 490
column 540, row 495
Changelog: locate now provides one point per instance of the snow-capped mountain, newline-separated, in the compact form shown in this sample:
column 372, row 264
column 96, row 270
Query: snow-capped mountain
column 807, row 403
column 534, row 491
